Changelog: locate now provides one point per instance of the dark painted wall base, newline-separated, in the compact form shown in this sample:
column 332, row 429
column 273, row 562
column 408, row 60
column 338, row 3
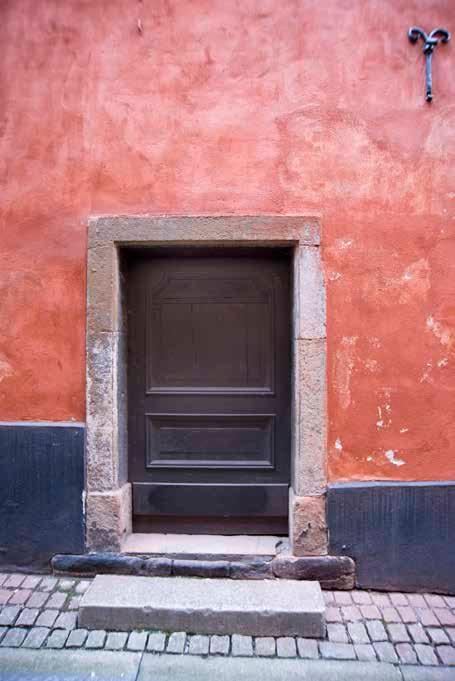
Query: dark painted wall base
column 401, row 535
column 41, row 481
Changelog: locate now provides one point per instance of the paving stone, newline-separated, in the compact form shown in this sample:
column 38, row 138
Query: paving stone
column 444, row 615
column 385, row 651
column 199, row 645
column 219, row 645
column 47, row 618
column 390, row 615
column 365, row 652
column 376, row 630
column 27, row 617
column 74, row 603
column 66, row 620
column 14, row 581
column 418, row 633
column 47, row 584
column 342, row 597
column 358, row 632
column 76, row 639
column 333, row 615
column 176, row 642
column 450, row 601
column 447, row 654
column 95, row 639
column 427, row 617
column 3, row 631
column 308, row 648
column 5, row 595
column 361, row 597
column 406, row 653
column 265, row 646
column 380, row 599
column 434, row 601
column 20, row 596
column 337, row 651
column 57, row 639
column 329, row 598
column 66, row 584
column 437, row 635
column 31, row 582
column 57, row 600
column 398, row 633
column 451, row 634
column 417, row 601
column 337, row 633
column 398, row 599
column 285, row 647
column 351, row 613
column 425, row 654
column 407, row 613
column 37, row 600
column 3, row 577
column 82, row 586
column 157, row 642
column 14, row 638
column 36, row 637
column 370, row 612
column 241, row 646
column 8, row 614
column 116, row 640
column 137, row 640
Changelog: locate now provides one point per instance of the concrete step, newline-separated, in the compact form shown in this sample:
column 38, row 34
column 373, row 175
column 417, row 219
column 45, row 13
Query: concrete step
column 204, row 606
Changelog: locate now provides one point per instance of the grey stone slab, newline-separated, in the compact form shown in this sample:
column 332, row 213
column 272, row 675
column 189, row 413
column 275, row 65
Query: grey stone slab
column 27, row 617
column 36, row 637
column 242, row 646
column 265, row 646
column 308, row 648
column 425, row 654
column 398, row 633
column 66, row 620
column 116, row 640
column 47, row 618
column 337, row 651
column 57, row 638
column 365, row 652
column 199, row 645
column 176, row 642
column 376, row 630
column 286, row 647
column 406, row 653
column 137, row 641
column 14, row 638
column 447, row 654
column 418, row 633
column 204, row 606
column 426, row 673
column 385, row 652
column 76, row 639
column 68, row 665
column 436, row 635
column 156, row 642
column 194, row 668
column 358, row 633
column 219, row 645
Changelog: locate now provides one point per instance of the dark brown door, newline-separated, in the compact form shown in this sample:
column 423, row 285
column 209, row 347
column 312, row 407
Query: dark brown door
column 209, row 390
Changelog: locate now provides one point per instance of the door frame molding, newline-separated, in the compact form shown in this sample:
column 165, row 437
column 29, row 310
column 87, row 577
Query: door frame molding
column 108, row 493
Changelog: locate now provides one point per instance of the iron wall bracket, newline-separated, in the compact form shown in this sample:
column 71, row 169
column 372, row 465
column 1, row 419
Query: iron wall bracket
column 430, row 41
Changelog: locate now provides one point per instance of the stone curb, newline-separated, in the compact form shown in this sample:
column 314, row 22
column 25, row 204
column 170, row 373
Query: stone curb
column 333, row 572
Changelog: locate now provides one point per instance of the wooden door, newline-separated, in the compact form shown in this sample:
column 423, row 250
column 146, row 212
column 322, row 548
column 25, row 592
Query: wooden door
column 209, row 390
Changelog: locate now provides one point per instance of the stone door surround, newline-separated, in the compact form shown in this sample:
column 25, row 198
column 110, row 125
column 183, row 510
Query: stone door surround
column 108, row 493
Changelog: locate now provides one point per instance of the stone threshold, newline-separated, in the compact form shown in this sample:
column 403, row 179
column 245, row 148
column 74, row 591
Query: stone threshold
column 332, row 572
column 203, row 546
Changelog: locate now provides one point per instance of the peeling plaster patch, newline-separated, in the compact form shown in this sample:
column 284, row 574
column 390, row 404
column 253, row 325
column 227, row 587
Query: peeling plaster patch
column 5, row 369
column 443, row 362
column 333, row 276
column 338, row 444
column 384, row 421
column 404, row 430
column 375, row 342
column 390, row 455
column 372, row 365
column 442, row 333
column 344, row 243
column 370, row 458
column 416, row 278
column 344, row 366
column 427, row 372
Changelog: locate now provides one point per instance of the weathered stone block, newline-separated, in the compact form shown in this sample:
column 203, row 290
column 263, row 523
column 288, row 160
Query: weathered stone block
column 200, row 568
column 108, row 518
column 251, row 569
column 332, row 572
column 307, row 525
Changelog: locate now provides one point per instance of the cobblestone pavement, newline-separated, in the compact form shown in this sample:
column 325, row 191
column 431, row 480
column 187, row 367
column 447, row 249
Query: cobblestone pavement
column 406, row 629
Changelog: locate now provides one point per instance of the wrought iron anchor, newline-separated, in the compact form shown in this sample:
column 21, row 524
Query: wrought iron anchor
column 430, row 41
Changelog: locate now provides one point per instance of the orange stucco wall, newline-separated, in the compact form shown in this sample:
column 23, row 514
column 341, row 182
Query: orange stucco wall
column 219, row 106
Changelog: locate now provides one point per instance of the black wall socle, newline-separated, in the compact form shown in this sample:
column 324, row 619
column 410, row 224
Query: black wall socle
column 41, row 506
column 401, row 535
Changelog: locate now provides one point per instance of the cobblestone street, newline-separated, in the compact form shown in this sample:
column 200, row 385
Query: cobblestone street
column 40, row 612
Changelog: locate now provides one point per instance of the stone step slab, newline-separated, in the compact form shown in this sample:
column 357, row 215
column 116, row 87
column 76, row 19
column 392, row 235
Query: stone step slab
column 204, row 606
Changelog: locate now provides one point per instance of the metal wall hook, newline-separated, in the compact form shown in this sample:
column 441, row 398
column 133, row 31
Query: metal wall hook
column 436, row 36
